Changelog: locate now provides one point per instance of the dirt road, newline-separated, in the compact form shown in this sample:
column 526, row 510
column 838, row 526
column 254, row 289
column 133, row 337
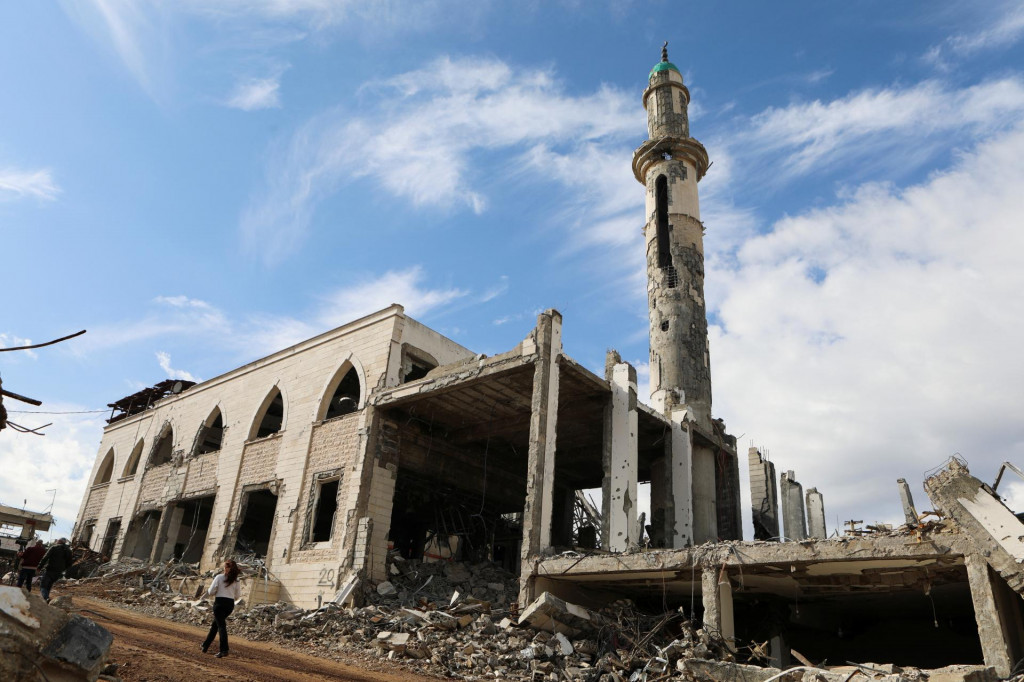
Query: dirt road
column 147, row 648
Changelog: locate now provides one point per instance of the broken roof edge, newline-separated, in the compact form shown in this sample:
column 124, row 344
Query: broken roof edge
column 393, row 310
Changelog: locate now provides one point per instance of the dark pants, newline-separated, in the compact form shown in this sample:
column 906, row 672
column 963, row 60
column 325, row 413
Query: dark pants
column 222, row 608
column 25, row 577
column 46, row 582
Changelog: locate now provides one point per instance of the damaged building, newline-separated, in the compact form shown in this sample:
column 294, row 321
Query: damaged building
column 384, row 435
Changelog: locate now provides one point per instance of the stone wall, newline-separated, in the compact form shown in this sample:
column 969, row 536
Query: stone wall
column 259, row 460
column 94, row 505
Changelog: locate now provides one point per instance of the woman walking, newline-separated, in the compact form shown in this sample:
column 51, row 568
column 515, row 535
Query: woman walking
column 227, row 590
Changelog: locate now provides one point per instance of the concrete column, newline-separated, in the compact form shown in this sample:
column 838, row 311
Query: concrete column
column 681, row 470
column 705, row 496
column 993, row 643
column 816, row 515
column 716, row 596
column 619, row 529
column 909, row 512
column 793, row 507
column 764, row 496
column 709, row 598
column 540, row 471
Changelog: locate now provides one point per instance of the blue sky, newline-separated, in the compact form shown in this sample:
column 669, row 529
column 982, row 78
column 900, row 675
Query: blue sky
column 201, row 183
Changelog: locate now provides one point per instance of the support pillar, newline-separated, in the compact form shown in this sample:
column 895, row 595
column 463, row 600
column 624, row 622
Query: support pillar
column 909, row 512
column 540, row 469
column 764, row 496
column 990, row 631
column 793, row 507
column 716, row 596
column 682, row 483
column 169, row 532
column 816, row 515
column 619, row 529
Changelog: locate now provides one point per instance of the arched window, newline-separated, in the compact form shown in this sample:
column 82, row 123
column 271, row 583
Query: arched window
column 345, row 396
column 164, row 448
column 270, row 418
column 211, row 434
column 106, row 468
column 661, row 197
column 132, row 465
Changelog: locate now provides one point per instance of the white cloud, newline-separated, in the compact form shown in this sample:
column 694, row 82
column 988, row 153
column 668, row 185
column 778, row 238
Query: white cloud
column 867, row 127
column 425, row 141
column 14, row 341
column 1002, row 27
column 164, row 359
column 16, row 183
column 406, row 287
column 870, row 340
column 256, row 93
column 61, row 460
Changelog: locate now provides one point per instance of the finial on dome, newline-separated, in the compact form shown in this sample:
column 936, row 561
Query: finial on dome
column 664, row 51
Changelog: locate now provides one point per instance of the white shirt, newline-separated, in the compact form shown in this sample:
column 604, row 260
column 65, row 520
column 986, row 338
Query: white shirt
column 218, row 588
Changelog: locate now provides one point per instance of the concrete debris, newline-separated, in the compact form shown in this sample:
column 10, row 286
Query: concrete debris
column 550, row 613
column 39, row 638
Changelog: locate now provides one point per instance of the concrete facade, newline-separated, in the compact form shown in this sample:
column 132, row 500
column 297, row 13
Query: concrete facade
column 793, row 516
column 764, row 496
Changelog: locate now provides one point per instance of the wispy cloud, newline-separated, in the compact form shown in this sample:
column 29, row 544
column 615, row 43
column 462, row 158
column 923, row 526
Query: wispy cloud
column 16, row 183
column 13, row 341
column 1002, row 26
column 164, row 360
column 427, row 142
column 256, row 93
column 817, row 136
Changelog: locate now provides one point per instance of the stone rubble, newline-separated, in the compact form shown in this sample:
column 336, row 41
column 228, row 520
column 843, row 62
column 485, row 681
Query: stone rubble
column 460, row 621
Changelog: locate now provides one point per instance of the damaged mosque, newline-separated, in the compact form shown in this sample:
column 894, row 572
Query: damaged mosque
column 383, row 435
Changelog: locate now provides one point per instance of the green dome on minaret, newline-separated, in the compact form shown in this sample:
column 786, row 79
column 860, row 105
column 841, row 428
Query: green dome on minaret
column 664, row 64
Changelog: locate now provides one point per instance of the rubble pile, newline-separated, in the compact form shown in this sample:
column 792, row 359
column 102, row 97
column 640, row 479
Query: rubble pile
column 462, row 621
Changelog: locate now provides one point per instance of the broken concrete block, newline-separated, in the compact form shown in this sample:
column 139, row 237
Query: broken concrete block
column 552, row 614
column 563, row 643
column 386, row 589
column 718, row 671
column 40, row 639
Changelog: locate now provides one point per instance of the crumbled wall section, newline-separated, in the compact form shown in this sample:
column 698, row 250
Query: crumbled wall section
column 764, row 496
column 161, row 483
column 97, row 497
column 259, row 460
column 202, row 474
column 333, row 448
column 991, row 527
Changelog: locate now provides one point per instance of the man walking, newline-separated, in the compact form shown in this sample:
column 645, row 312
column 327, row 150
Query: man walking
column 56, row 560
column 30, row 558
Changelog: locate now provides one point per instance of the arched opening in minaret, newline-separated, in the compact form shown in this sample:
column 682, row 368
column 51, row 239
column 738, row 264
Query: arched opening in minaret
column 661, row 196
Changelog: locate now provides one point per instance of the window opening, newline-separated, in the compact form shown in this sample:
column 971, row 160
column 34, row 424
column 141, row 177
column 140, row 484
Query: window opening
column 163, row 451
column 133, row 460
column 661, row 197
column 664, row 325
column 416, row 364
column 110, row 539
column 106, row 469
column 273, row 418
column 325, row 509
column 257, row 523
column 346, row 397
column 211, row 436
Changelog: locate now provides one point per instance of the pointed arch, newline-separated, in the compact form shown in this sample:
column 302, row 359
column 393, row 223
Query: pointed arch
column 344, row 392
column 163, row 447
column 132, row 465
column 106, row 468
column 270, row 415
column 211, row 434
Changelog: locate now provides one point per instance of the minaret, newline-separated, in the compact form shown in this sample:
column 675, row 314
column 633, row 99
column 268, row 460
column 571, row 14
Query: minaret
column 669, row 164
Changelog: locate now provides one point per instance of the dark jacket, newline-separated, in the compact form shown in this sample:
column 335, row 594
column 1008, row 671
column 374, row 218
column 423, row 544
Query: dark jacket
column 30, row 558
column 57, row 559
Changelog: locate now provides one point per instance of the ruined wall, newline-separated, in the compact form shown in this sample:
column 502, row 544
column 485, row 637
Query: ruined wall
column 95, row 500
column 202, row 474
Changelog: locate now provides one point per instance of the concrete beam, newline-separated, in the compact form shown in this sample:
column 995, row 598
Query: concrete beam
column 992, row 528
column 816, row 515
column 681, row 470
column 620, row 458
column 793, row 518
